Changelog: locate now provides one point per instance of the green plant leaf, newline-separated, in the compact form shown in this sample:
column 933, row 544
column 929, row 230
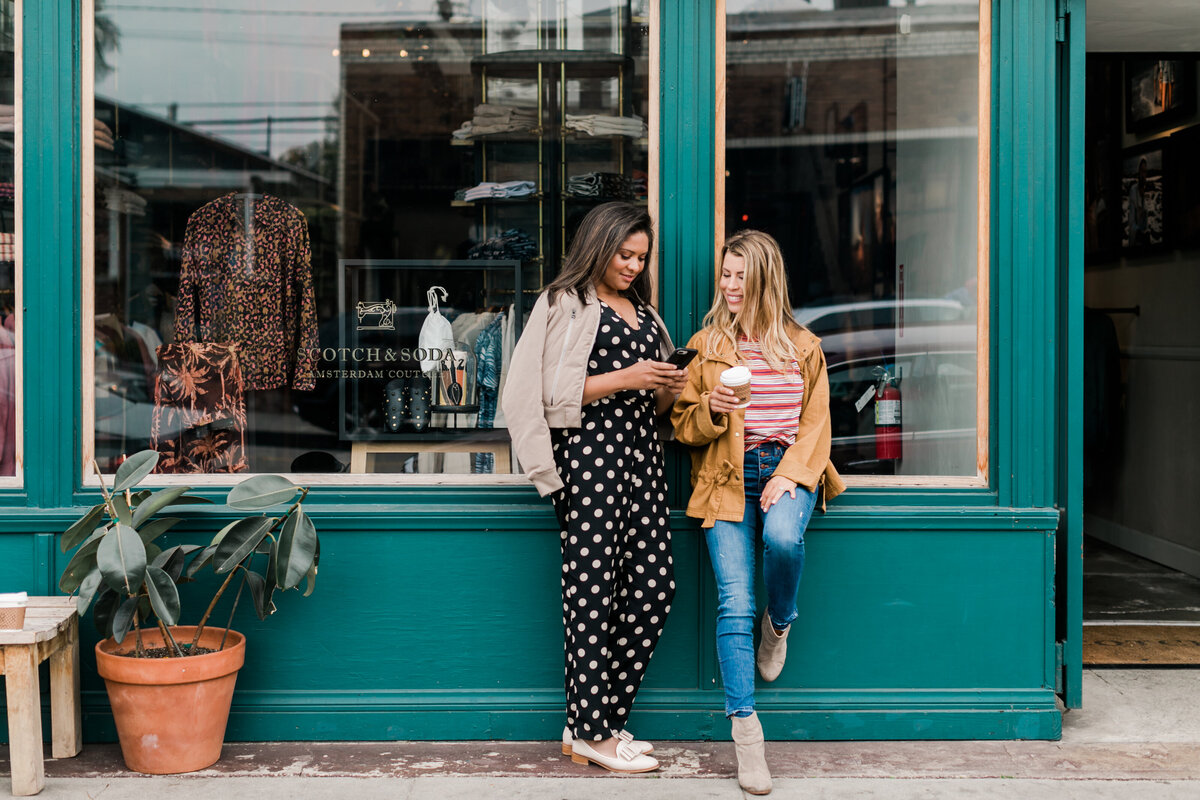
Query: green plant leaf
column 261, row 591
column 152, row 530
column 201, row 561
column 157, row 502
column 240, row 542
column 136, row 498
column 105, row 609
column 312, row 571
column 164, row 597
column 122, row 621
column 121, row 510
column 153, row 551
column 171, row 560
column 83, row 562
column 87, row 590
column 133, row 469
column 216, row 540
column 261, row 492
column 75, row 534
column 297, row 548
column 192, row 500
column 122, row 558
column 269, row 582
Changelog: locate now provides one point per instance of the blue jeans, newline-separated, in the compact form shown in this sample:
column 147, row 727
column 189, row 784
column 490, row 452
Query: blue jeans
column 731, row 547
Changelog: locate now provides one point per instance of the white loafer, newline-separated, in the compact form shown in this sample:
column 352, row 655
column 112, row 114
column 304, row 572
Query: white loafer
column 628, row 760
column 567, row 740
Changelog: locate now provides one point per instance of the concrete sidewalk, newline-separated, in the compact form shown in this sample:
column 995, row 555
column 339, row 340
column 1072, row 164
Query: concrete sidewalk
column 1137, row 737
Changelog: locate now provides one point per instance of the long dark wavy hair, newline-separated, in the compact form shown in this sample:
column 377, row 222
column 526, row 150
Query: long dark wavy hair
column 601, row 233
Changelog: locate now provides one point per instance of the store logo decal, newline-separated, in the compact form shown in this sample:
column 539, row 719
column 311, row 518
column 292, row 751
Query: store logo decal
column 376, row 316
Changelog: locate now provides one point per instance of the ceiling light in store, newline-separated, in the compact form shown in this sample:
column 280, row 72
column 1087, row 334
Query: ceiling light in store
column 366, row 53
column 335, row 52
column 404, row 54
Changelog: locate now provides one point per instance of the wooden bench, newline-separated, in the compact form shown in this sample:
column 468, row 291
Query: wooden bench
column 51, row 631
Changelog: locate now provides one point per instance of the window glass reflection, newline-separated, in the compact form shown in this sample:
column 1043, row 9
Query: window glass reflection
column 319, row 225
column 852, row 137
column 8, row 240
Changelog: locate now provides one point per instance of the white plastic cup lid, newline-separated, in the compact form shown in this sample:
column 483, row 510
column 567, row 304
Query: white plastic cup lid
column 735, row 376
column 14, row 599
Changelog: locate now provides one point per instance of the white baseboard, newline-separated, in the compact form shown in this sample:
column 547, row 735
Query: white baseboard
column 1159, row 550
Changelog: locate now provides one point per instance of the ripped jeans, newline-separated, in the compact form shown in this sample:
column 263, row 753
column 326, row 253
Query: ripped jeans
column 731, row 548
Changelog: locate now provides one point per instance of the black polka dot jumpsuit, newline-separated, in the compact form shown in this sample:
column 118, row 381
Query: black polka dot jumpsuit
column 617, row 575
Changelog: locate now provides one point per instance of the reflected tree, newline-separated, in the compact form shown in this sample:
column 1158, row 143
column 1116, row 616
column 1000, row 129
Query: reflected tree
column 108, row 40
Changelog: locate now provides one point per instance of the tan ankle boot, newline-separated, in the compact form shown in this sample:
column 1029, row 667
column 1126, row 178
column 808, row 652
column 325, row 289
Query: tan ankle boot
column 772, row 650
column 753, row 774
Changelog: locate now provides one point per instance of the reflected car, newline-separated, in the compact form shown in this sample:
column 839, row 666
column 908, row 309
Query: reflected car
column 869, row 314
column 934, row 356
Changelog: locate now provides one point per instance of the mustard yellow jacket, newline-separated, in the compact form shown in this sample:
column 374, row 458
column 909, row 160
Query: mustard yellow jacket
column 717, row 444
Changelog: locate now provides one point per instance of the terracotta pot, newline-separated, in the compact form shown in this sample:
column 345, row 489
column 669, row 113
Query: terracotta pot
column 171, row 712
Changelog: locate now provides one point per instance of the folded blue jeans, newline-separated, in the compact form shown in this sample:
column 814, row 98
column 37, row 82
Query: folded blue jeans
column 731, row 548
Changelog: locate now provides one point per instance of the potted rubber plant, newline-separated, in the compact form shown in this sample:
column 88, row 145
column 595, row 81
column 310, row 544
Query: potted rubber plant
column 171, row 685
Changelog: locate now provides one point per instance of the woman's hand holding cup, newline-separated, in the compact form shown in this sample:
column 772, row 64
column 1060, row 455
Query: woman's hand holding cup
column 732, row 393
column 722, row 400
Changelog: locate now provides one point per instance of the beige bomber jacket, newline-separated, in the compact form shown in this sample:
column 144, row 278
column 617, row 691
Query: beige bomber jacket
column 546, row 373
column 717, row 445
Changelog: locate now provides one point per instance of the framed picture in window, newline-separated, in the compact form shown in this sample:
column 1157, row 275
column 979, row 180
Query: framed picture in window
column 1158, row 92
column 1143, row 199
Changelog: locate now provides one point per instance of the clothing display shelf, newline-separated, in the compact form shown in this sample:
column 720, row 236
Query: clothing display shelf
column 489, row 283
column 550, row 151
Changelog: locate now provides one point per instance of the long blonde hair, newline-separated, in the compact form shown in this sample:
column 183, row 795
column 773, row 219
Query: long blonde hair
column 766, row 313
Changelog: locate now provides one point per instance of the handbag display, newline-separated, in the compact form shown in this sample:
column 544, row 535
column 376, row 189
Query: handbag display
column 436, row 336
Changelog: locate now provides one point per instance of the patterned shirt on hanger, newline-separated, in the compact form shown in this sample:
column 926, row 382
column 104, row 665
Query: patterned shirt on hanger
column 251, row 285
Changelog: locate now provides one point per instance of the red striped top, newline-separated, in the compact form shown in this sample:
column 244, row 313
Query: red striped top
column 775, row 399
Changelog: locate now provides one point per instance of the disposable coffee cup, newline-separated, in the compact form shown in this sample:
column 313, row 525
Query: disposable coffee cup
column 738, row 379
column 12, row 610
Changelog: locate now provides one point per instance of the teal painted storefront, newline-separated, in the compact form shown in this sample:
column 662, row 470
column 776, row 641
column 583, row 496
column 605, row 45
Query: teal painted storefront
column 927, row 613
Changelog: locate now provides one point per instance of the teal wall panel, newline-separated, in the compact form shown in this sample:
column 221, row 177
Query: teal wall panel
column 921, row 599
column 454, row 633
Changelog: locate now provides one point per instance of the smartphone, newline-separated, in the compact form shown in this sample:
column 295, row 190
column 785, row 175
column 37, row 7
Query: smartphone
column 681, row 357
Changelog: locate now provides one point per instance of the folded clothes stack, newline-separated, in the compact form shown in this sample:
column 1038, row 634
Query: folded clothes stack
column 506, row 189
column 492, row 118
column 8, row 247
column 601, row 125
column 605, row 185
column 513, row 244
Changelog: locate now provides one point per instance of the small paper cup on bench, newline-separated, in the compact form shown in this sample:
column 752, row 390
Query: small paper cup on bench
column 12, row 610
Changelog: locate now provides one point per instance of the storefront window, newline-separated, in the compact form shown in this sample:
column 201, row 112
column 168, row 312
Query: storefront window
column 319, row 225
column 9, row 153
column 852, row 136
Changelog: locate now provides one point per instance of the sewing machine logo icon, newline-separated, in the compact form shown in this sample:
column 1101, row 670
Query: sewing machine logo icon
column 376, row 316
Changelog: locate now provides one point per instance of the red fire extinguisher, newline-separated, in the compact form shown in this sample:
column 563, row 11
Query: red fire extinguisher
column 888, row 418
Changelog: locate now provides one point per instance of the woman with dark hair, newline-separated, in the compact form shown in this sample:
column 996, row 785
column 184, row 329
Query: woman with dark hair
column 588, row 383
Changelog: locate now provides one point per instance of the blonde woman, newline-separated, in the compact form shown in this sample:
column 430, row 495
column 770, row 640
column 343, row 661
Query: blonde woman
column 757, row 470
